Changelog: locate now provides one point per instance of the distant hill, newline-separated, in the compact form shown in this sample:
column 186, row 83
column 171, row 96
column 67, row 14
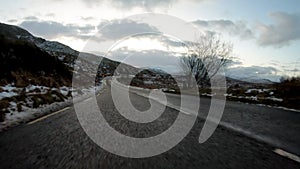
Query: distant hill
column 255, row 80
column 247, row 82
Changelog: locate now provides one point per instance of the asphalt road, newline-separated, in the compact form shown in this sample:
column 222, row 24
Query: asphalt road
column 58, row 141
column 276, row 126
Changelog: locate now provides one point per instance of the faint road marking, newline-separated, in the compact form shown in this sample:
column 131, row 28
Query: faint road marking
column 49, row 115
column 287, row 154
column 86, row 100
column 100, row 92
column 166, row 104
column 237, row 129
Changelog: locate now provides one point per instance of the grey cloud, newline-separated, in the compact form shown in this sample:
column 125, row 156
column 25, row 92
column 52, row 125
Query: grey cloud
column 84, row 29
column 121, row 28
column 128, row 4
column 292, row 70
column 50, row 14
column 12, row 20
column 235, row 62
column 253, row 72
column 163, row 39
column 172, row 42
column 47, row 29
column 108, row 30
column 31, row 18
column 148, row 4
column 238, row 28
column 87, row 18
column 288, row 68
column 148, row 58
column 50, row 29
column 286, row 28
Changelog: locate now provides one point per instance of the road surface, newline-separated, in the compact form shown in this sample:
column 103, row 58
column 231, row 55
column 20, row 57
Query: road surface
column 58, row 141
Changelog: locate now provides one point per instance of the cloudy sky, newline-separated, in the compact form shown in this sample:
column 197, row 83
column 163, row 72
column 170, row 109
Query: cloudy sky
column 265, row 34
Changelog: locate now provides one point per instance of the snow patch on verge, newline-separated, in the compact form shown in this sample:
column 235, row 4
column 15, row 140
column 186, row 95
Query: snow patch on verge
column 15, row 118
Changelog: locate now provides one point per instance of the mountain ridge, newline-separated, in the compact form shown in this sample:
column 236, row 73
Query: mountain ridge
column 36, row 72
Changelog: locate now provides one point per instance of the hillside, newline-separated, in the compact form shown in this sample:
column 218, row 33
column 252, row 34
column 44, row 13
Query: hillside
column 23, row 63
column 37, row 72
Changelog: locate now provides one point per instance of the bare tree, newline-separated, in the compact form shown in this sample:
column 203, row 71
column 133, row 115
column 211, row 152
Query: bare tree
column 205, row 57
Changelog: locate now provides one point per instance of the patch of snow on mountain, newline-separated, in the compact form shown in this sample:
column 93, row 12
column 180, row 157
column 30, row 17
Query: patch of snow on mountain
column 275, row 99
column 9, row 91
column 7, row 94
column 258, row 90
column 56, row 47
column 34, row 87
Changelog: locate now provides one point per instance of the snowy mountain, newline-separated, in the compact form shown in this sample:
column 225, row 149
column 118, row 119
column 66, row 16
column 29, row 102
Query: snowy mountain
column 247, row 82
column 156, row 70
column 37, row 72
column 257, row 80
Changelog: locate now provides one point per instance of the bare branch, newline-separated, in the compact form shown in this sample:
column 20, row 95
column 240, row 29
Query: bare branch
column 205, row 57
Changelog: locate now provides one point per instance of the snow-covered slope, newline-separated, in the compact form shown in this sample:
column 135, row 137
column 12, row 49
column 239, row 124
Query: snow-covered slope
column 36, row 72
column 56, row 47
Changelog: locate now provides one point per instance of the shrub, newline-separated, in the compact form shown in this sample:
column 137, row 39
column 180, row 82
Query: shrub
column 289, row 90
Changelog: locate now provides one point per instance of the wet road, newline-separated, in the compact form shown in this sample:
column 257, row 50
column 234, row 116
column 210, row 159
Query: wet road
column 59, row 142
